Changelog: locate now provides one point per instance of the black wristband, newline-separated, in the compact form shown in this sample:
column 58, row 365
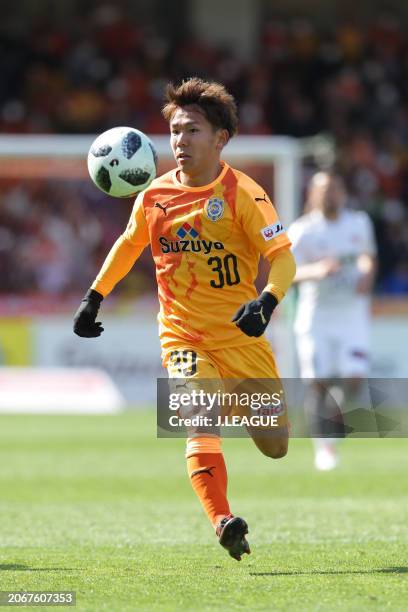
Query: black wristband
column 93, row 296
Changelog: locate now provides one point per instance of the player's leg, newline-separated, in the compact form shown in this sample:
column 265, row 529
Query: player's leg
column 205, row 461
column 317, row 359
column 355, row 364
column 326, row 424
column 254, row 368
column 346, row 391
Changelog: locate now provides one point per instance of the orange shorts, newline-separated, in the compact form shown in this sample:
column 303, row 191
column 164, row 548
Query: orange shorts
column 249, row 370
column 249, row 361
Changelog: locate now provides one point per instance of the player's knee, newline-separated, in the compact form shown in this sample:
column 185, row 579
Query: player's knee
column 277, row 451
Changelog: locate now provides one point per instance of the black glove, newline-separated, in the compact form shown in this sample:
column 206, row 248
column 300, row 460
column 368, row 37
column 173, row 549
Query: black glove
column 84, row 318
column 253, row 317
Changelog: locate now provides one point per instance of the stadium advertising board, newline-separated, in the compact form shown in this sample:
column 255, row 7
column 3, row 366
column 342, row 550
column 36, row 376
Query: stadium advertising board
column 129, row 351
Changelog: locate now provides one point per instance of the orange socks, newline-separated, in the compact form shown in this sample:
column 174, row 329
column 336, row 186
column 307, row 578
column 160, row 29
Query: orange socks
column 208, row 476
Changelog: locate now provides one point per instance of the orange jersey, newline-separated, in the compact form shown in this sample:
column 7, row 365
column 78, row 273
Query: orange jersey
column 206, row 242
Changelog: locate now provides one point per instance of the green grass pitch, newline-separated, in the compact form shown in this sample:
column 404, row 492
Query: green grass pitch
column 100, row 506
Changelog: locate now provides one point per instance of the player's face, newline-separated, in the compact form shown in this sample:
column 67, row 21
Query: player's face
column 327, row 194
column 196, row 144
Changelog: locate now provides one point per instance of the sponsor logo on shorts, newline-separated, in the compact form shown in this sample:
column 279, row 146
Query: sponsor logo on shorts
column 273, row 230
column 359, row 354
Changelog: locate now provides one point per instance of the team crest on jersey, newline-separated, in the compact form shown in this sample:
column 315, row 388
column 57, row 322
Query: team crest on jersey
column 214, row 209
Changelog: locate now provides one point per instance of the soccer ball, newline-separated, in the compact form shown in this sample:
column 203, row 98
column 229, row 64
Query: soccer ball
column 122, row 161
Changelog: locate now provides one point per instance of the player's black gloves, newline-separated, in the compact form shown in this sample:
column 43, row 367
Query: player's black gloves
column 253, row 317
column 85, row 317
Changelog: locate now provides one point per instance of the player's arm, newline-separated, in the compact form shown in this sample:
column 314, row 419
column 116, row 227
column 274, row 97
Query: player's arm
column 367, row 261
column 367, row 267
column 307, row 269
column 281, row 274
column 116, row 266
column 317, row 270
column 266, row 232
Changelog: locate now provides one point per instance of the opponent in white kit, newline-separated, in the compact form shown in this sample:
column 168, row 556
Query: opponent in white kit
column 335, row 252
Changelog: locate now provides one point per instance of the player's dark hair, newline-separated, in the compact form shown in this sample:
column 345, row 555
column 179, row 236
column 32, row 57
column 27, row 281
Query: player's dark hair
column 214, row 101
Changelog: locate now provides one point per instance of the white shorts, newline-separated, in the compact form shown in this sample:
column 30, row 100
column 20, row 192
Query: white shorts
column 338, row 350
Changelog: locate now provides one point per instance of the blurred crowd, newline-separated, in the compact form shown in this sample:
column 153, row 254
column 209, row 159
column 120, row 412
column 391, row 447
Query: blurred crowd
column 349, row 80
column 54, row 236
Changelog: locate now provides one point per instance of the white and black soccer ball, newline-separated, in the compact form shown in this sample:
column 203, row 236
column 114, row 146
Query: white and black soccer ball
column 122, row 161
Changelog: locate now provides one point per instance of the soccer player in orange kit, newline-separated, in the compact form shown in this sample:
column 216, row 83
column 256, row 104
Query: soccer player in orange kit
column 207, row 225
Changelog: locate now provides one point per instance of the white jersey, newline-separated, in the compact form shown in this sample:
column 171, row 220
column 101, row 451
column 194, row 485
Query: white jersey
column 314, row 237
